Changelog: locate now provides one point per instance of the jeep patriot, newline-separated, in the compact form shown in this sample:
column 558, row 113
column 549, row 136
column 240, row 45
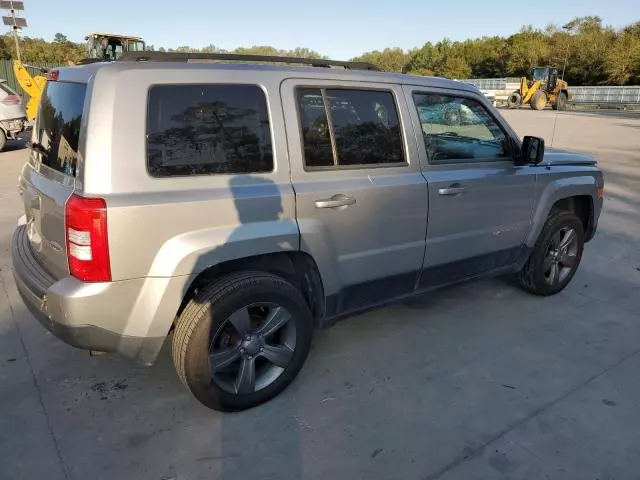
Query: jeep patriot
column 242, row 204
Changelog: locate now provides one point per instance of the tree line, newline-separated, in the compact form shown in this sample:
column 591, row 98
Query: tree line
column 594, row 54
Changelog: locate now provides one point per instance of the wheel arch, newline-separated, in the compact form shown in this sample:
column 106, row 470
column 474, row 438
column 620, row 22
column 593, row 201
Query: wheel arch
column 574, row 194
column 298, row 268
column 579, row 205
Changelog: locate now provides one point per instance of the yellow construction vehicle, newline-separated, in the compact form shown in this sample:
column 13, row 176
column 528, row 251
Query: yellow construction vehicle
column 99, row 47
column 109, row 46
column 33, row 85
column 544, row 89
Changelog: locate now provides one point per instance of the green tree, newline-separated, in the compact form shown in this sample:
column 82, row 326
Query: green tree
column 388, row 60
column 526, row 50
column 622, row 63
column 60, row 38
column 446, row 59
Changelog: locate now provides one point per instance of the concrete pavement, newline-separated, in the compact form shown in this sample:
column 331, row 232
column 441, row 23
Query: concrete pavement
column 480, row 381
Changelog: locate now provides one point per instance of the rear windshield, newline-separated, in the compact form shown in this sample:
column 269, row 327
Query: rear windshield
column 57, row 131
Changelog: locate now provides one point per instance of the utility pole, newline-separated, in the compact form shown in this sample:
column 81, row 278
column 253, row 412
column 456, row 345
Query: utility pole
column 16, row 23
column 568, row 28
column 566, row 57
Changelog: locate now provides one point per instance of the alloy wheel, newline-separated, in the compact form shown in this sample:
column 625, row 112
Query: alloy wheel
column 561, row 257
column 252, row 348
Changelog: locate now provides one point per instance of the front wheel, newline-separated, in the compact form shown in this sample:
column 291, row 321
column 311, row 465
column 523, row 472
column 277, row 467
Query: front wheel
column 555, row 257
column 538, row 100
column 514, row 100
column 3, row 140
column 561, row 102
column 242, row 340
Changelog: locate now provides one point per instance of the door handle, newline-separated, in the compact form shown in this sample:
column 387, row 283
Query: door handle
column 337, row 201
column 455, row 189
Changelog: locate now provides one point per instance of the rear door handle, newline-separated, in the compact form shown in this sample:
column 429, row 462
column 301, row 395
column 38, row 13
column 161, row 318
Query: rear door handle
column 337, row 201
column 455, row 189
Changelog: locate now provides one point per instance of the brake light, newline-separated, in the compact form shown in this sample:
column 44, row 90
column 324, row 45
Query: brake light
column 87, row 241
column 53, row 75
column 12, row 100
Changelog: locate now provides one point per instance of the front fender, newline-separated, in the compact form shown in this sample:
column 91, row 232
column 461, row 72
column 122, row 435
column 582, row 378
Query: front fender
column 559, row 189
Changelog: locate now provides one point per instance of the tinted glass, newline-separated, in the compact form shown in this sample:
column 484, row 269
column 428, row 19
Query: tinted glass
column 540, row 74
column 315, row 128
column 58, row 125
column 207, row 129
column 458, row 129
column 366, row 127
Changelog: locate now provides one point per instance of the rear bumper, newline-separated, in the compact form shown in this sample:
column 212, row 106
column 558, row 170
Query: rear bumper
column 14, row 126
column 78, row 313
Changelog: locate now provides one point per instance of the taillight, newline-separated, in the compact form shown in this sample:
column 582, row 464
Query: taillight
column 52, row 75
column 87, row 242
column 12, row 100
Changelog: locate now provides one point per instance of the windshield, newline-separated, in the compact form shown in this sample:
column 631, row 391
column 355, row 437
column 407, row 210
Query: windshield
column 136, row 46
column 540, row 73
column 57, row 132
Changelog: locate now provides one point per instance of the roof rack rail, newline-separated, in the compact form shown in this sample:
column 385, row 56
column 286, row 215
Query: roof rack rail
column 185, row 57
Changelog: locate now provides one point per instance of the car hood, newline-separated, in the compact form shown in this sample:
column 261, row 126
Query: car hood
column 553, row 156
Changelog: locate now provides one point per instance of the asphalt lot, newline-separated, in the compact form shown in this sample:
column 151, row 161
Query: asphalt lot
column 481, row 381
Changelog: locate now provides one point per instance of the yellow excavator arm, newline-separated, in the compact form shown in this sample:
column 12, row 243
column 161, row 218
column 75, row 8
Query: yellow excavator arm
column 32, row 86
column 527, row 91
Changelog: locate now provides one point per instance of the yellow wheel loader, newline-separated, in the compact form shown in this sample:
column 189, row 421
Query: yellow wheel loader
column 544, row 89
column 99, row 47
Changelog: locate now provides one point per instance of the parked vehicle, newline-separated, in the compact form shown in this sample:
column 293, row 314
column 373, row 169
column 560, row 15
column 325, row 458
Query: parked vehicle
column 243, row 205
column 13, row 119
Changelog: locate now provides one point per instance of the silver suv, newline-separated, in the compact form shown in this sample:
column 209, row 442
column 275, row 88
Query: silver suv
column 241, row 205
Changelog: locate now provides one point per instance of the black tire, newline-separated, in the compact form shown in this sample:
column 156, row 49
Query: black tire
column 561, row 102
column 538, row 100
column 514, row 100
column 207, row 314
column 3, row 140
column 534, row 276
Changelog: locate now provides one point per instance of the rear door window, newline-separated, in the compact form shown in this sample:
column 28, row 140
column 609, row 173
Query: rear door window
column 348, row 127
column 57, row 131
column 207, row 129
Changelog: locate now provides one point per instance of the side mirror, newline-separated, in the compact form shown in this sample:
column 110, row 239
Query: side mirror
column 532, row 150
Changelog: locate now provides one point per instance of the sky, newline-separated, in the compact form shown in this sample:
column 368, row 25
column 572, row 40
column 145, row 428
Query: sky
column 340, row 29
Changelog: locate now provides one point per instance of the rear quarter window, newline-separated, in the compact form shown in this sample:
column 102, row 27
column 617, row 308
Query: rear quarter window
column 207, row 129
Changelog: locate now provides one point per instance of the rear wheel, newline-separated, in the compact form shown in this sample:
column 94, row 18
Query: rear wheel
column 538, row 100
column 242, row 340
column 3, row 140
column 561, row 102
column 555, row 257
column 514, row 100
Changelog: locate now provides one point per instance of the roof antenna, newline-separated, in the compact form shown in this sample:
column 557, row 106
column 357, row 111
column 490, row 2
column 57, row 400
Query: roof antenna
column 553, row 137
column 555, row 121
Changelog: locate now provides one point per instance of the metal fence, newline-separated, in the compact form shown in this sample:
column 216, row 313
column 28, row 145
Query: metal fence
column 604, row 95
column 6, row 72
column 589, row 95
column 491, row 83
